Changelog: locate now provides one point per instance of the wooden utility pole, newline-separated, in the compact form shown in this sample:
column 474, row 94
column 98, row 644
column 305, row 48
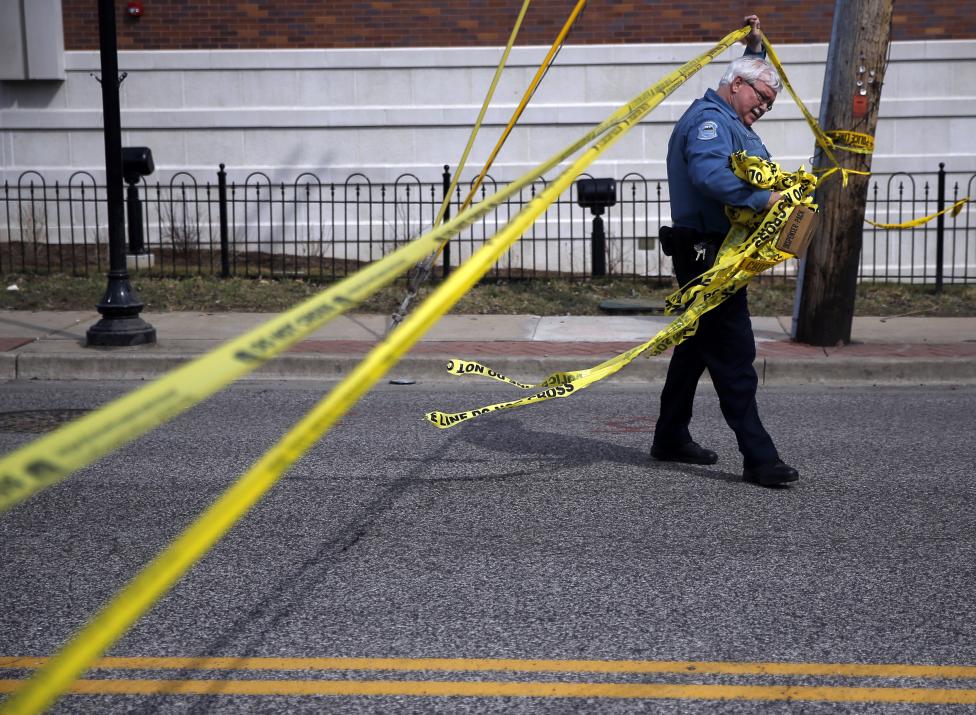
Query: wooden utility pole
column 856, row 58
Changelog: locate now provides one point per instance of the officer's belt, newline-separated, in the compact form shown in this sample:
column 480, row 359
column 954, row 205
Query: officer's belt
column 681, row 238
column 689, row 234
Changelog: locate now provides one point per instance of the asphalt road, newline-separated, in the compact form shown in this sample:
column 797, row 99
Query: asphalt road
column 539, row 535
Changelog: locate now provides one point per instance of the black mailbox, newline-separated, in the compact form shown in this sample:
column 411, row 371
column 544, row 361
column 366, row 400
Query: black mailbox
column 596, row 193
column 137, row 161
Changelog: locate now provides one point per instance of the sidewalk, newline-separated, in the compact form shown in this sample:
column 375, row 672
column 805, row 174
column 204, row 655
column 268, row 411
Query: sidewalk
column 908, row 351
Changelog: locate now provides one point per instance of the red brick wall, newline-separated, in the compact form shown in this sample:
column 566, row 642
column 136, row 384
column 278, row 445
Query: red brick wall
column 265, row 24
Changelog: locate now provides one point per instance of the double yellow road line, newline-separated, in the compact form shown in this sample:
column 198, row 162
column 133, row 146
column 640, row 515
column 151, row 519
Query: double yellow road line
column 321, row 679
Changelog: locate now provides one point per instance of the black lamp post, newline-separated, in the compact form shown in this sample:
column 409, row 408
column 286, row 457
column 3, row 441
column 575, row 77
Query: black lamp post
column 119, row 306
column 597, row 195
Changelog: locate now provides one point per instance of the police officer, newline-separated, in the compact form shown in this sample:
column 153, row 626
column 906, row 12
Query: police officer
column 701, row 185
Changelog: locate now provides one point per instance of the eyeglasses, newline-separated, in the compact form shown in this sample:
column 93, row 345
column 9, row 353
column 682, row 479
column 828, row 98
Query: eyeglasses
column 763, row 97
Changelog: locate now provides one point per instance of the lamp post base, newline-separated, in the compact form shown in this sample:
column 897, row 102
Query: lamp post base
column 120, row 324
column 115, row 332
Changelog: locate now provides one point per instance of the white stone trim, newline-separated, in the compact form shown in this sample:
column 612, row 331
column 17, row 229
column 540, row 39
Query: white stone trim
column 386, row 111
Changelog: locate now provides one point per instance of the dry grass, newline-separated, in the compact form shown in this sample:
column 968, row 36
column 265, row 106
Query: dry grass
column 534, row 297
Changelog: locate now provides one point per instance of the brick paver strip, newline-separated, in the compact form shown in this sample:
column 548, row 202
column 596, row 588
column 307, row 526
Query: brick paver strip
column 471, row 349
column 906, row 350
column 474, row 349
column 784, row 348
column 13, row 343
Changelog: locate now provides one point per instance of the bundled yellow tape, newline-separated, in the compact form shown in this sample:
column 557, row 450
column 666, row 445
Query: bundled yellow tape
column 748, row 249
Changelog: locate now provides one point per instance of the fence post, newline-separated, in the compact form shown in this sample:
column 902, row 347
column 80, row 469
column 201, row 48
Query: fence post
column 446, row 177
column 222, row 204
column 940, row 230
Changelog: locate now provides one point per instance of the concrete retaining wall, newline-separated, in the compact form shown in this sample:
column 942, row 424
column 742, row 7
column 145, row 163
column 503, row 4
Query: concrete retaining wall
column 387, row 111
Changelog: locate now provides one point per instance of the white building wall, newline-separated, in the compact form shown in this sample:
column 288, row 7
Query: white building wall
column 384, row 112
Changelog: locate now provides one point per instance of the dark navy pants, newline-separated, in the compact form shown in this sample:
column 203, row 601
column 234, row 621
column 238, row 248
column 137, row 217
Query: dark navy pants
column 725, row 346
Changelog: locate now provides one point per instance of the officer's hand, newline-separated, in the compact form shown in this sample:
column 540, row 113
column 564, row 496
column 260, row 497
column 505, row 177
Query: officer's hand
column 754, row 38
column 773, row 198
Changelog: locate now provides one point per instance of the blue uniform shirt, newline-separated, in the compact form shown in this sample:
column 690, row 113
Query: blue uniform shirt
column 700, row 180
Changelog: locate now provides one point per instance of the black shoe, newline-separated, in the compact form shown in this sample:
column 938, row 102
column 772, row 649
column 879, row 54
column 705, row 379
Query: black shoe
column 769, row 475
column 688, row 453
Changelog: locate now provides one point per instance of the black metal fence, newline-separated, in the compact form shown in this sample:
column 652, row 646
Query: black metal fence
column 312, row 229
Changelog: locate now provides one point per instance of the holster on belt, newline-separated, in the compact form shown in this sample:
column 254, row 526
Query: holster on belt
column 690, row 244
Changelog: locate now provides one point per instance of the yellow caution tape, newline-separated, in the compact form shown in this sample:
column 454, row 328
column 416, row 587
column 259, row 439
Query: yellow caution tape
column 466, row 367
column 951, row 210
column 52, row 458
column 748, row 249
column 481, row 115
column 851, row 141
column 822, row 138
column 190, row 546
column 845, row 173
column 539, row 74
column 423, row 269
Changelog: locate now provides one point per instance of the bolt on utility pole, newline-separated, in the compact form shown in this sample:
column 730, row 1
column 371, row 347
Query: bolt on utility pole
column 823, row 311
column 119, row 306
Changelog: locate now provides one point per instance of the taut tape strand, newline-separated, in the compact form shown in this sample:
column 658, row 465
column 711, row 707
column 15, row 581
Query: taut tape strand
column 481, row 115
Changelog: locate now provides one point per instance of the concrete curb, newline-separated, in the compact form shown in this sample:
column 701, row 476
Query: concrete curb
column 295, row 366
column 8, row 366
column 868, row 371
column 49, row 345
column 148, row 365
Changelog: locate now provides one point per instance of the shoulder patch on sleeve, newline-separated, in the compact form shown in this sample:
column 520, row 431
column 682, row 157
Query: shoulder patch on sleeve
column 707, row 130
